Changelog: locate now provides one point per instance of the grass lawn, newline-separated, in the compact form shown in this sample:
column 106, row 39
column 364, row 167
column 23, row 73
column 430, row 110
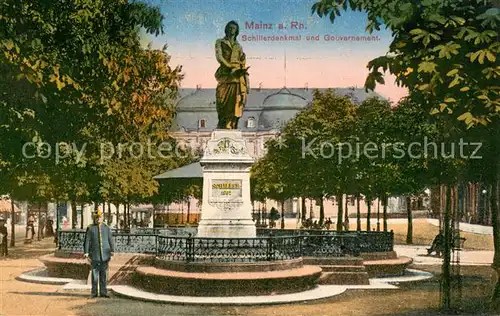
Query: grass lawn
column 416, row 298
column 424, row 233
column 412, row 299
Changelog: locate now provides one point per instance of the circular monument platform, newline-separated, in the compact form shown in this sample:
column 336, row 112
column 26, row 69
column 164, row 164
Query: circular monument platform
column 66, row 265
column 226, row 278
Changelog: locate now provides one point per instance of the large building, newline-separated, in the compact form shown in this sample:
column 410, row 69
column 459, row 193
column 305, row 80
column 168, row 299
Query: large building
column 266, row 111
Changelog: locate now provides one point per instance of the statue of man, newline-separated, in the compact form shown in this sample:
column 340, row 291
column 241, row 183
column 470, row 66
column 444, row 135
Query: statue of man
column 232, row 78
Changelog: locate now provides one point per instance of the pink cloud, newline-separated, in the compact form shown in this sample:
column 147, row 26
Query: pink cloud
column 320, row 72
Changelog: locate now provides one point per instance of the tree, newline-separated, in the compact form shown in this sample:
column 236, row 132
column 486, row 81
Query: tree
column 444, row 52
column 75, row 72
column 374, row 173
column 306, row 148
column 267, row 178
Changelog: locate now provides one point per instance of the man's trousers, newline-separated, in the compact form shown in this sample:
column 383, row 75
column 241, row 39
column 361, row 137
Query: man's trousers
column 3, row 247
column 99, row 278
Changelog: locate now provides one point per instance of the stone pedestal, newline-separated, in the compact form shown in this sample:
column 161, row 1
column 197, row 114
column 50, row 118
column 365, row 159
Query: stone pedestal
column 227, row 209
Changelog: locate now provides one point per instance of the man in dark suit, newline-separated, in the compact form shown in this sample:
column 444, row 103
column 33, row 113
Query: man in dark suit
column 99, row 248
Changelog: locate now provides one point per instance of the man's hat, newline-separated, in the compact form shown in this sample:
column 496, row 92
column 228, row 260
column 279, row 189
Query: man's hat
column 97, row 213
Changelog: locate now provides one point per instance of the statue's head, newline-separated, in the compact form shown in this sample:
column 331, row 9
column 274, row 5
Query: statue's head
column 232, row 29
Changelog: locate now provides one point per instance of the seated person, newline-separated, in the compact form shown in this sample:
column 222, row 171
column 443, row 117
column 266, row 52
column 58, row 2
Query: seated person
column 437, row 245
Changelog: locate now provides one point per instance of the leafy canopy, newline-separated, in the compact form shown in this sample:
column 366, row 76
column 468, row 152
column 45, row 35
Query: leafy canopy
column 443, row 51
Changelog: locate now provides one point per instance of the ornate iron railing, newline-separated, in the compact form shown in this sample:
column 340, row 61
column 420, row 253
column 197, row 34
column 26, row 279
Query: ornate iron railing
column 135, row 243
column 330, row 245
column 376, row 241
column 369, row 241
column 270, row 245
column 71, row 240
column 194, row 249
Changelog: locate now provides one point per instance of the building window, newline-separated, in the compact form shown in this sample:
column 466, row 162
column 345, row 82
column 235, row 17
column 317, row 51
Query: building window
column 202, row 123
column 352, row 200
column 251, row 122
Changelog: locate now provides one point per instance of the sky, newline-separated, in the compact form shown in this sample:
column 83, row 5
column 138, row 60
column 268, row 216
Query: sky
column 318, row 59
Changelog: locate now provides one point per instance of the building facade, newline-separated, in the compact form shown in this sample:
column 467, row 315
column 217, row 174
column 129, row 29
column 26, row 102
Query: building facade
column 266, row 111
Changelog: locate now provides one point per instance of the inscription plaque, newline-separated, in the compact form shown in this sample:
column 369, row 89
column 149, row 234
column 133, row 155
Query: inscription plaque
column 226, row 189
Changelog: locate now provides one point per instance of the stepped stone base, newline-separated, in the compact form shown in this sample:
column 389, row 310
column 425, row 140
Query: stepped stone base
column 74, row 266
column 217, row 267
column 226, row 284
column 344, row 278
column 389, row 267
column 370, row 256
column 341, row 270
column 69, row 267
column 348, row 261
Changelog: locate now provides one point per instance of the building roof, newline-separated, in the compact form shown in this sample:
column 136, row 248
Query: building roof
column 194, row 170
column 268, row 108
column 5, row 206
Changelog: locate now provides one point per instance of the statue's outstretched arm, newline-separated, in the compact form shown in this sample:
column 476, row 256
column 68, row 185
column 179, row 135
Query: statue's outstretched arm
column 218, row 55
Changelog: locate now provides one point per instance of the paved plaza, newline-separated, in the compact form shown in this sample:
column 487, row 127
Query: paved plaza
column 22, row 298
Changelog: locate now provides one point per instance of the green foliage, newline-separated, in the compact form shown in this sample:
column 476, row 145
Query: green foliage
column 76, row 72
column 441, row 50
column 303, row 160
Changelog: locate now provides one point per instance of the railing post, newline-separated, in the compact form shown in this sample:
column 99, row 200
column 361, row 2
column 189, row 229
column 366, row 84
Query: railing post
column 300, row 238
column 59, row 239
column 156, row 245
column 357, row 243
column 270, row 247
column 190, row 248
column 392, row 239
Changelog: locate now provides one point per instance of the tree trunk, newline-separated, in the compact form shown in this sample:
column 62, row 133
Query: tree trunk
column 39, row 220
column 321, row 211
column 446, row 272
column 346, row 214
column 189, row 211
column 153, row 214
column 495, row 214
column 409, row 232
column 12, row 223
column 259, row 214
column 104, row 215
column 311, row 213
column 81, row 216
column 303, row 209
column 73, row 214
column 369, row 214
column 127, row 214
column 124, row 215
column 110, row 218
column 282, row 214
column 129, row 217
column 358, row 213
column 378, row 214
column 386, row 198
column 118, row 216
column 340, row 213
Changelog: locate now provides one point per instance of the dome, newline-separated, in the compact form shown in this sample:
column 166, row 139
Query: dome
column 275, row 119
column 285, row 99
